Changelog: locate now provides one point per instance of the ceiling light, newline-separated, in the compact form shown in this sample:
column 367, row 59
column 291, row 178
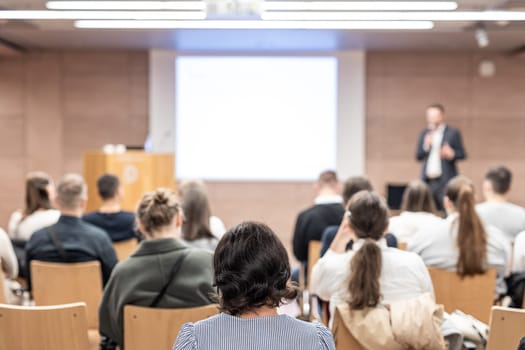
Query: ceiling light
column 240, row 24
column 267, row 5
column 125, row 5
column 359, row 5
column 466, row 16
column 76, row 15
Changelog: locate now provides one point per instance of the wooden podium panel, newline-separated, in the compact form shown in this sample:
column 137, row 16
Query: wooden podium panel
column 139, row 172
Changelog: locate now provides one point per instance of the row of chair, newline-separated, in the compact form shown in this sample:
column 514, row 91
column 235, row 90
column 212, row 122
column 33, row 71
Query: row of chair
column 66, row 326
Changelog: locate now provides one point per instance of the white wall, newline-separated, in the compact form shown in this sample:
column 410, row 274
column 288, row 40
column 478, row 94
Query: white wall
column 350, row 114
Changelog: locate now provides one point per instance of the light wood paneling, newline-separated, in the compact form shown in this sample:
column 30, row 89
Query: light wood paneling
column 490, row 112
column 54, row 105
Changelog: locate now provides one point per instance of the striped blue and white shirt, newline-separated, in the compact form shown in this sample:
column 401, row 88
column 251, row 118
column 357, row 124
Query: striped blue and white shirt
column 226, row 332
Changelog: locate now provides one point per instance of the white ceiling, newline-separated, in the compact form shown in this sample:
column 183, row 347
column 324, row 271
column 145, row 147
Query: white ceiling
column 445, row 35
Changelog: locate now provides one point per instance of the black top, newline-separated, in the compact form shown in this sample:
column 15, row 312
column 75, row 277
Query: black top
column 81, row 241
column 119, row 226
column 311, row 224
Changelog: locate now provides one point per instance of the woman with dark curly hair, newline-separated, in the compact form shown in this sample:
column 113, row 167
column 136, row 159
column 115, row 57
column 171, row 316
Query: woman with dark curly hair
column 252, row 275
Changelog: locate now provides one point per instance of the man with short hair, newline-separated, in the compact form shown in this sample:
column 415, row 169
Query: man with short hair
column 497, row 210
column 327, row 211
column 439, row 147
column 71, row 240
column 119, row 224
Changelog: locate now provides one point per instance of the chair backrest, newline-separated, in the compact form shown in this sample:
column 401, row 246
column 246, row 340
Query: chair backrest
column 46, row 327
column 314, row 254
column 153, row 328
column 62, row 283
column 124, row 249
column 2, row 286
column 507, row 327
column 344, row 340
column 473, row 295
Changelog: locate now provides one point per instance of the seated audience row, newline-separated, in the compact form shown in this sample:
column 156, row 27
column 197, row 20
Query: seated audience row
column 462, row 242
column 118, row 224
column 71, row 239
column 252, row 275
column 38, row 212
column 351, row 186
column 199, row 228
column 497, row 210
column 417, row 212
column 163, row 272
column 371, row 272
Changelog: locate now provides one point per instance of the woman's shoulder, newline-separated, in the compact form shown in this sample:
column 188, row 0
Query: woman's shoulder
column 324, row 336
column 186, row 338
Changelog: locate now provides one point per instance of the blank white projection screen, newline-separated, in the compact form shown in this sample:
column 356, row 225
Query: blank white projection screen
column 255, row 118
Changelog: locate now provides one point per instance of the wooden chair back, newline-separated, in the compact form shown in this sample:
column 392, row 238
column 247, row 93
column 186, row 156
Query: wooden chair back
column 472, row 295
column 344, row 340
column 62, row 283
column 124, row 249
column 153, row 328
column 314, row 254
column 45, row 327
column 507, row 327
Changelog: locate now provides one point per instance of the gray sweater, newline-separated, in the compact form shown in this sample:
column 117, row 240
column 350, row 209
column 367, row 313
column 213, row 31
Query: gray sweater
column 139, row 279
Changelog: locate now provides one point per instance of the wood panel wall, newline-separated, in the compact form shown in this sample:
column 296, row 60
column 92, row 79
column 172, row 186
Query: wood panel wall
column 55, row 105
column 489, row 111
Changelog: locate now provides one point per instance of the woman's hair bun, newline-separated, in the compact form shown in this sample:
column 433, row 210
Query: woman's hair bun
column 160, row 198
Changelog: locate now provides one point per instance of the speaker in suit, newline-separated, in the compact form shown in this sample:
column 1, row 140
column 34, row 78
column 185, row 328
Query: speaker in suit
column 439, row 147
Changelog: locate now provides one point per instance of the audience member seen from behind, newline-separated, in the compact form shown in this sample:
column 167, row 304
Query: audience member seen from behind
column 163, row 272
column 417, row 212
column 394, row 274
column 118, row 224
column 351, row 187
column 497, row 210
column 327, row 211
column 71, row 239
column 252, row 275
column 9, row 267
column 38, row 211
column 461, row 242
column 199, row 224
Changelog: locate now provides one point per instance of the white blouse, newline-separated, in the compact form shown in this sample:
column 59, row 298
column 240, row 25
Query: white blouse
column 23, row 228
column 9, row 263
column 217, row 227
column 518, row 261
column 403, row 275
column 438, row 248
column 408, row 223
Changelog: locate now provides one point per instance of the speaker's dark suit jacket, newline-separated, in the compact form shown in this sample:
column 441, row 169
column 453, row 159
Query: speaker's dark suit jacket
column 452, row 136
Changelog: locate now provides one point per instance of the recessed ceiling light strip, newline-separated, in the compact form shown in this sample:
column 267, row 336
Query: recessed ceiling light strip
column 240, row 24
column 397, row 16
column 359, row 5
column 76, row 15
column 126, row 5
column 266, row 5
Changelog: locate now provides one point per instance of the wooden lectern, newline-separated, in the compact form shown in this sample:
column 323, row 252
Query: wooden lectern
column 139, row 172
